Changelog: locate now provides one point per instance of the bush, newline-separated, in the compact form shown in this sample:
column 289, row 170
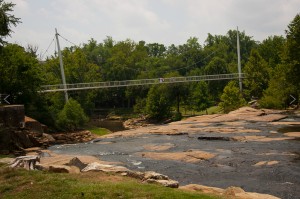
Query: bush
column 72, row 116
column 158, row 105
column 177, row 116
column 271, row 102
column 140, row 105
column 231, row 98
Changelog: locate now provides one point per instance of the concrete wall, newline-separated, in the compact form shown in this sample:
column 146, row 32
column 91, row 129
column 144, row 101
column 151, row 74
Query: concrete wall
column 12, row 116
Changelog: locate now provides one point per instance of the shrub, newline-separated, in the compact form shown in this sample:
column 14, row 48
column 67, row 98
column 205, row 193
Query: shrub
column 158, row 105
column 231, row 98
column 72, row 116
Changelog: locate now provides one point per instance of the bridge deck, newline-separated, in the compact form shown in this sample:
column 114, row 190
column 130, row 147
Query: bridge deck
column 138, row 82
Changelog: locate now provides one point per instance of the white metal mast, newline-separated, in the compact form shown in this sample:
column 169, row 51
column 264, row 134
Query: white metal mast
column 61, row 67
column 239, row 60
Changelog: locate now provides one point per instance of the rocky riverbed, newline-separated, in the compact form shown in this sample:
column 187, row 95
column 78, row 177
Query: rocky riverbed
column 257, row 150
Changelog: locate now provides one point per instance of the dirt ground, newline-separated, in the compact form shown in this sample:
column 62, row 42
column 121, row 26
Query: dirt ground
column 257, row 150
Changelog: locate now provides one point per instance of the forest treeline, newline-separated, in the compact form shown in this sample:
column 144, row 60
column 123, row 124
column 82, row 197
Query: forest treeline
column 271, row 70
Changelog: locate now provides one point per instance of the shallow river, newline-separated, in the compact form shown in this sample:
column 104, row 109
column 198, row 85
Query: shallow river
column 232, row 166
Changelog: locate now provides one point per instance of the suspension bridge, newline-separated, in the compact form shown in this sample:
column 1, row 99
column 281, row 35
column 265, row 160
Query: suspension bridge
column 138, row 82
column 64, row 87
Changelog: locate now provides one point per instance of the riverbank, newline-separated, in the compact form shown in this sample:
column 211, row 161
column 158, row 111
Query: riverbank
column 257, row 150
column 36, row 184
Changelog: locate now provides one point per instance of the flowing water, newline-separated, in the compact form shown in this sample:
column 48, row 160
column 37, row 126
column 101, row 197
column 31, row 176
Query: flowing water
column 232, row 166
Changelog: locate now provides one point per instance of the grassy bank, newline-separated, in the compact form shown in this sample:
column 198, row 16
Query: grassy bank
column 98, row 131
column 210, row 110
column 37, row 184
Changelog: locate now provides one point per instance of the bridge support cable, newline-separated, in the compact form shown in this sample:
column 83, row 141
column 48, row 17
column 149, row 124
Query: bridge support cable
column 138, row 82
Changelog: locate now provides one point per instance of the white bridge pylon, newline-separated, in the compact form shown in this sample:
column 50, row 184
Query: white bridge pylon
column 138, row 82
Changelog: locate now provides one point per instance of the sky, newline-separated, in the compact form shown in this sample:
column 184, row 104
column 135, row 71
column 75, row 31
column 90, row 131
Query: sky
column 161, row 21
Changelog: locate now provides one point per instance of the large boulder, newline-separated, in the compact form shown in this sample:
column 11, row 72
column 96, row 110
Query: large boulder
column 230, row 192
column 154, row 176
column 95, row 166
column 33, row 125
column 77, row 163
column 166, row 183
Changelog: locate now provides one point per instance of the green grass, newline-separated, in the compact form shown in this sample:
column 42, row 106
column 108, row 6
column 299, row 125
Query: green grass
column 99, row 131
column 6, row 156
column 210, row 110
column 123, row 113
column 37, row 184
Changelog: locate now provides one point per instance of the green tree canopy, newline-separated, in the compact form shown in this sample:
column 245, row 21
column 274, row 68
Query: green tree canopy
column 158, row 104
column 72, row 116
column 231, row 97
column 6, row 20
column 257, row 73
column 20, row 74
column 198, row 99
column 293, row 50
column 271, row 50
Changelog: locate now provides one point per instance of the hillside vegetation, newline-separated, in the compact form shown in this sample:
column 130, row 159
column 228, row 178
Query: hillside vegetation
column 271, row 67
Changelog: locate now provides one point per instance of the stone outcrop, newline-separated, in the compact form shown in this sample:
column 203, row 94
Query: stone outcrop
column 95, row 166
column 70, row 164
column 152, row 177
column 19, row 132
column 15, row 140
column 230, row 192
column 191, row 156
column 12, row 116
column 136, row 123
column 73, row 137
column 34, row 126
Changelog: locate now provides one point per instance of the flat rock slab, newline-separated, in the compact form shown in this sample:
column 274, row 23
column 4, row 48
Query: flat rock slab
column 191, row 156
column 266, row 163
column 159, row 147
column 293, row 134
column 231, row 192
column 63, row 159
column 243, row 148
column 95, row 166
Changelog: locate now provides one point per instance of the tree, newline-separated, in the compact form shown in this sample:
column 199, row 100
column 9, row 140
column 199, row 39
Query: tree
column 216, row 66
column 6, row 20
column 231, row 98
column 285, row 79
column 21, row 75
column 198, row 99
column 191, row 53
column 72, row 116
column 293, row 51
column 277, row 95
column 257, row 72
column 158, row 104
column 176, row 91
column 271, row 50
column 156, row 50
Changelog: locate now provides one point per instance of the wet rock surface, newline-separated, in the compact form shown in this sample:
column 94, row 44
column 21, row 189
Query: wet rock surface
column 244, row 149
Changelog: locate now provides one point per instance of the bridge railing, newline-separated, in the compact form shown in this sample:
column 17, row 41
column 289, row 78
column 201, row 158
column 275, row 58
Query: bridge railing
column 125, row 83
